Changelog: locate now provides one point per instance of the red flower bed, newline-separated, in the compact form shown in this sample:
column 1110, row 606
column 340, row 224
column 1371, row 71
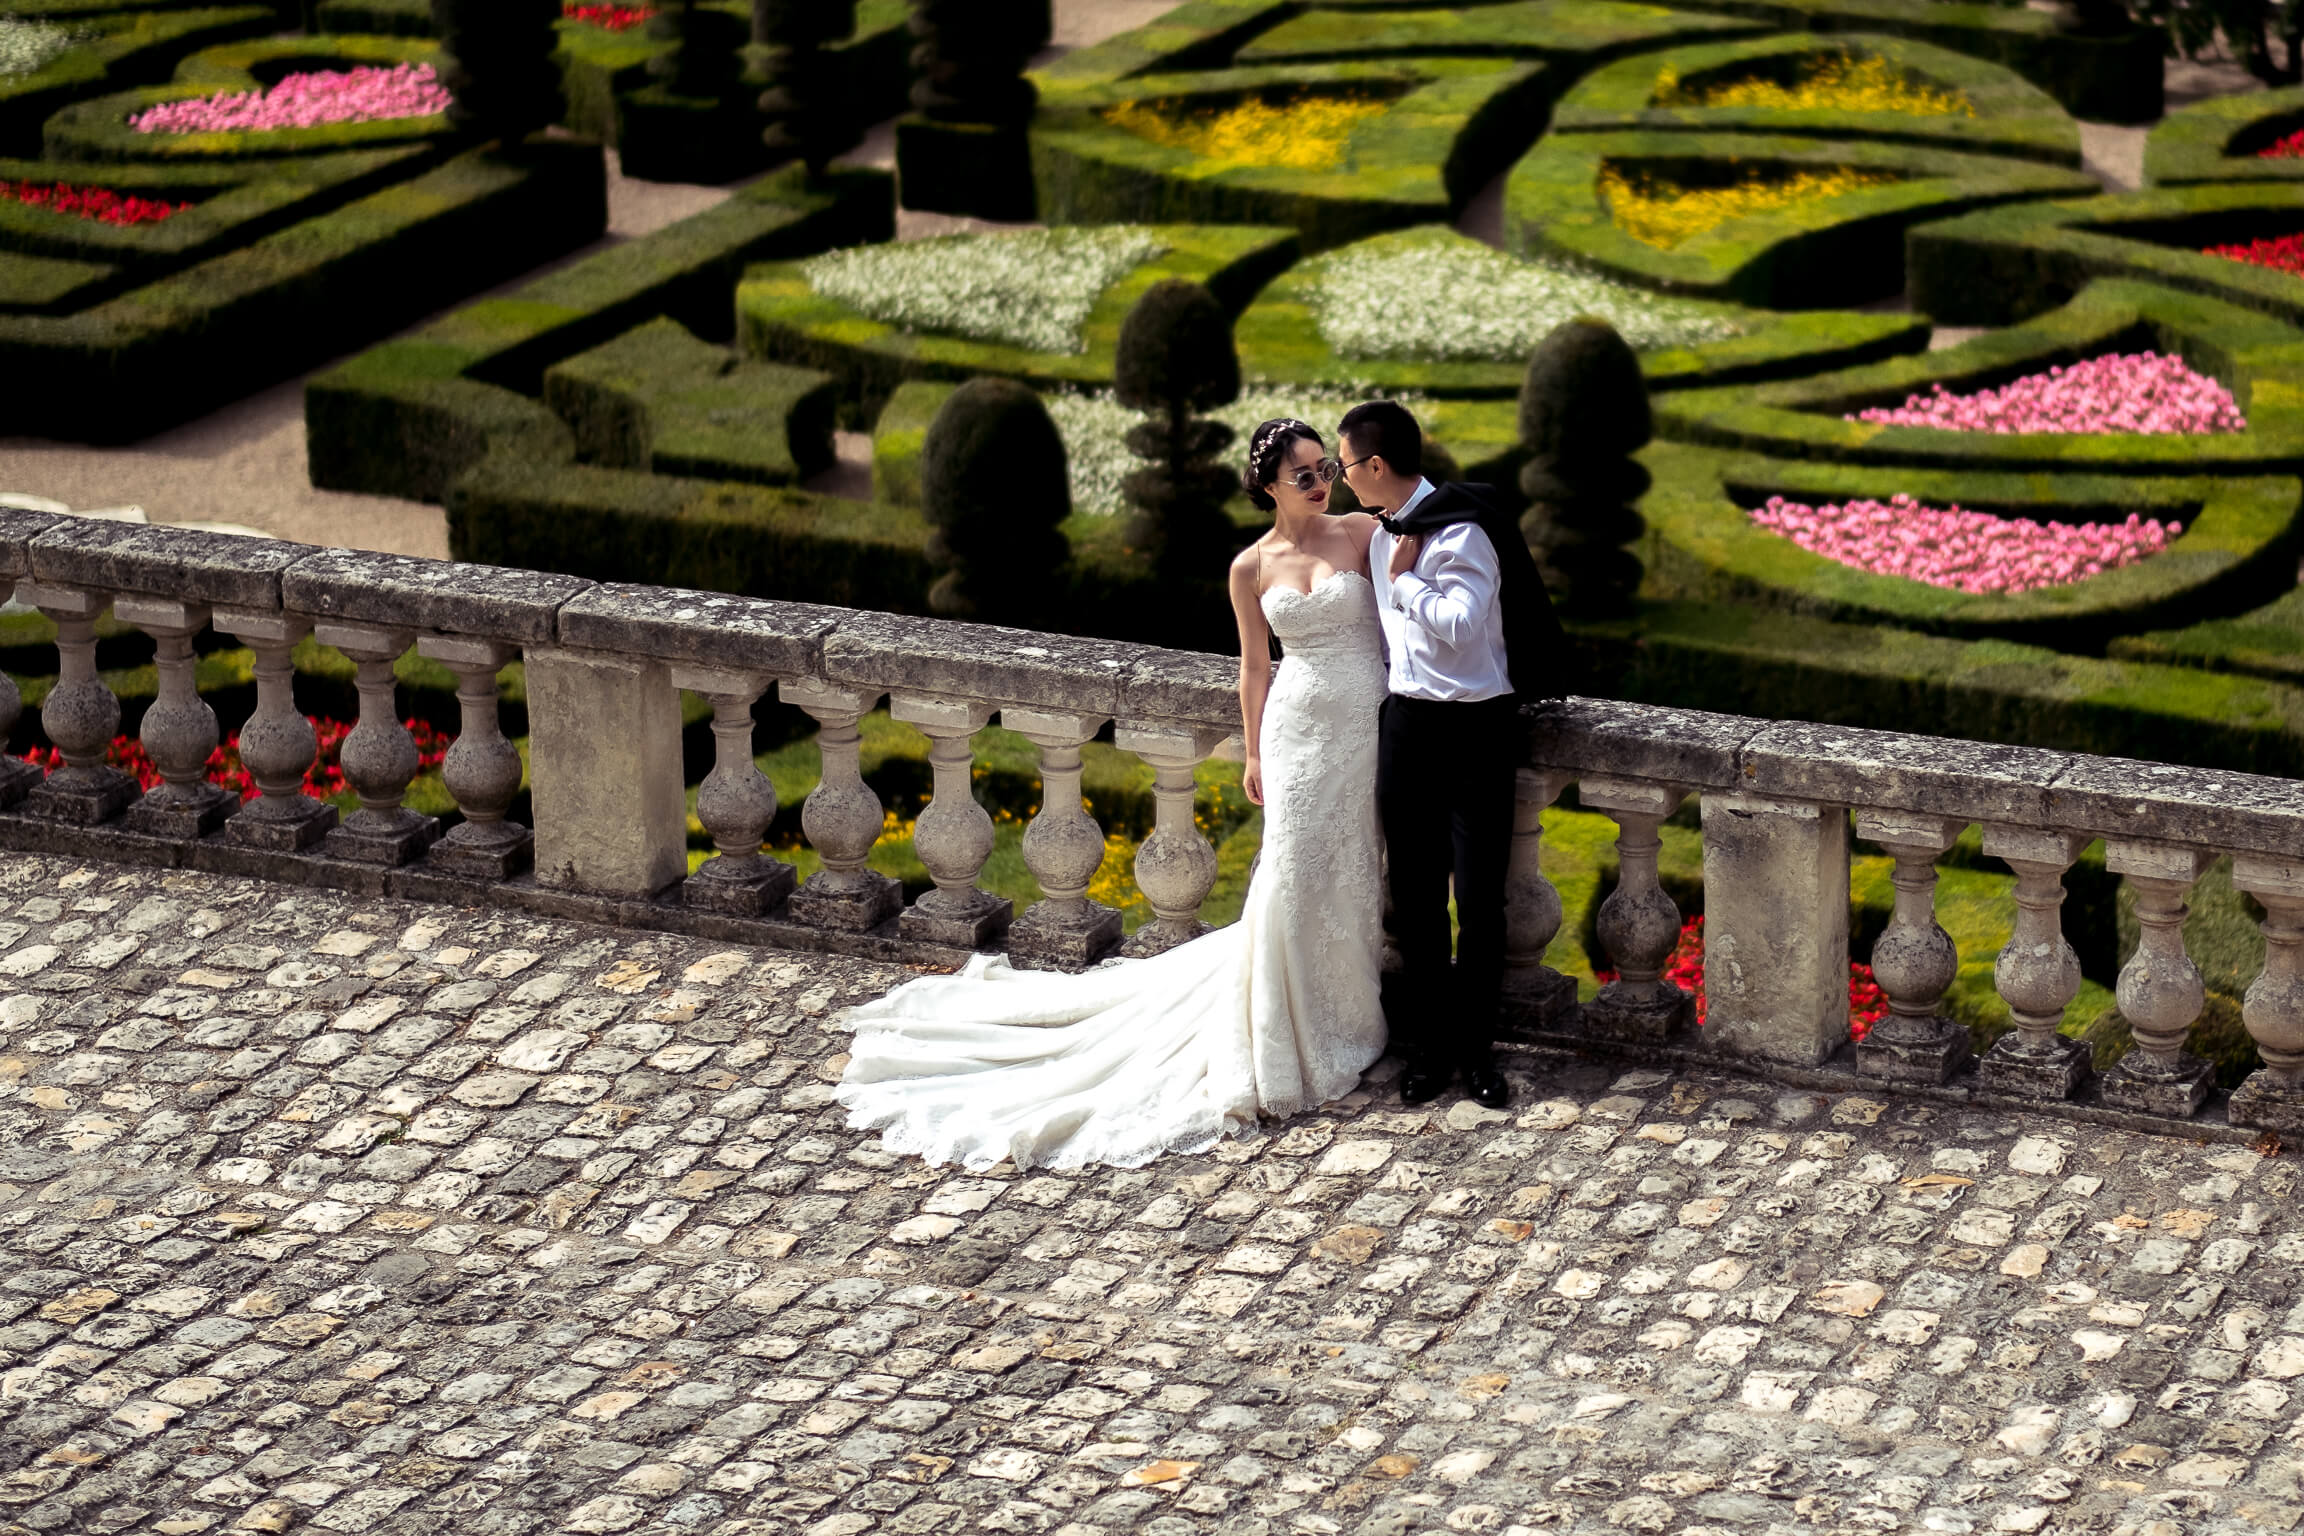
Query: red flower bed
column 1867, row 1004
column 2285, row 254
column 2289, row 148
column 105, row 207
column 611, row 18
column 324, row 778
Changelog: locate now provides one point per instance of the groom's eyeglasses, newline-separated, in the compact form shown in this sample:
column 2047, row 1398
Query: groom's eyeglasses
column 1322, row 473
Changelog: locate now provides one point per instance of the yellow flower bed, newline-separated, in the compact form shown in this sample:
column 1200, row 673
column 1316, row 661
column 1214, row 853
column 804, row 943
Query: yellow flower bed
column 1835, row 82
column 1664, row 214
column 1307, row 134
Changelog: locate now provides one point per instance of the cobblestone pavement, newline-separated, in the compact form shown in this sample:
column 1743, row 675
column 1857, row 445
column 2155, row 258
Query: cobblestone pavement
column 362, row 1216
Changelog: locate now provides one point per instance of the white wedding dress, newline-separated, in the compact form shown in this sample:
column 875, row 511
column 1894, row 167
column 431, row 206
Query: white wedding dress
column 1137, row 1058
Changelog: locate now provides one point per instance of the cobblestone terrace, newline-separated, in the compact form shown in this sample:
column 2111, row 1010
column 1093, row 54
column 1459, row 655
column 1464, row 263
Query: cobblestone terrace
column 359, row 1216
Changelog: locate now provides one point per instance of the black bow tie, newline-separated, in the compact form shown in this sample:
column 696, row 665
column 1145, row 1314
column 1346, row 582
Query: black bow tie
column 1392, row 526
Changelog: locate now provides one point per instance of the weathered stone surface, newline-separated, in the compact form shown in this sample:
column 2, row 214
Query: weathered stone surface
column 1640, row 741
column 1182, row 685
column 187, row 564
column 18, row 529
column 453, row 598
column 610, row 815
column 978, row 661
column 712, row 628
column 1889, row 770
column 2124, row 798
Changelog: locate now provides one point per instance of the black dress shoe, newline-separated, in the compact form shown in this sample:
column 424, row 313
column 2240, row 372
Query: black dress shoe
column 1487, row 1086
column 1421, row 1085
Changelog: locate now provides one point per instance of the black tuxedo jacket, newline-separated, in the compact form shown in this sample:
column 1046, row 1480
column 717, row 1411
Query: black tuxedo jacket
column 1536, row 647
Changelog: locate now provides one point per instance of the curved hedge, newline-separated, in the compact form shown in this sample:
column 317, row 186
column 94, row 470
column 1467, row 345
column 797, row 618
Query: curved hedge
column 2005, row 264
column 1580, row 33
column 1837, row 250
column 2238, row 547
column 2217, row 140
column 2260, row 361
column 128, row 50
column 781, row 318
column 2012, row 116
column 1281, row 343
column 98, row 129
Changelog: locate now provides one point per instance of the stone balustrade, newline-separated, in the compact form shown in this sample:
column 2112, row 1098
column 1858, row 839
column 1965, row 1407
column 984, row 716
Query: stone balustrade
column 1780, row 802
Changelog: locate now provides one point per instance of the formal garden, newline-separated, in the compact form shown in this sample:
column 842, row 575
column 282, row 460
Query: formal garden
column 1703, row 335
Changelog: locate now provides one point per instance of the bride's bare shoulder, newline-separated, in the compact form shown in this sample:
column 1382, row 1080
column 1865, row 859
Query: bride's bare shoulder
column 1249, row 563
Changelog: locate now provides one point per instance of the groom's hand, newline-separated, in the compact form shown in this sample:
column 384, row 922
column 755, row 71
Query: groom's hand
column 1404, row 552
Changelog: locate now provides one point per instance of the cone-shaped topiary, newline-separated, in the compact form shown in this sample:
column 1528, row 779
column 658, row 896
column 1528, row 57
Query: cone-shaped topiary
column 1583, row 414
column 497, row 62
column 706, row 59
column 995, row 486
column 802, row 102
column 969, row 61
column 1176, row 357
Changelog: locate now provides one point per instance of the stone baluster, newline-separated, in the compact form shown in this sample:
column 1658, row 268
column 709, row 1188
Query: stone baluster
column 953, row 836
column 277, row 745
column 841, row 817
column 18, row 777
column 379, row 756
column 179, row 730
column 1535, row 995
column 1639, row 923
column 2160, row 991
column 1775, row 927
column 1175, row 867
column 80, row 714
column 735, row 802
column 2038, row 974
column 1914, row 959
column 2273, row 1097
column 1064, row 847
column 482, row 769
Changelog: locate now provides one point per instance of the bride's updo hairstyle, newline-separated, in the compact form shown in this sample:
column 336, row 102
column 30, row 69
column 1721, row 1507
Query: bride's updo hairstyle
column 1267, row 451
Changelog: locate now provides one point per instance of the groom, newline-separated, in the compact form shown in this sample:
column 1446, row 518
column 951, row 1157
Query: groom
column 1464, row 610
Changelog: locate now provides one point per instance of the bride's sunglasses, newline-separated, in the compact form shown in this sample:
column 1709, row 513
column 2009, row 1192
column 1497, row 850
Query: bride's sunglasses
column 1322, row 473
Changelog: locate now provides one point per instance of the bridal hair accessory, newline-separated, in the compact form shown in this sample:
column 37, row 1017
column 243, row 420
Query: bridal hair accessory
column 1260, row 451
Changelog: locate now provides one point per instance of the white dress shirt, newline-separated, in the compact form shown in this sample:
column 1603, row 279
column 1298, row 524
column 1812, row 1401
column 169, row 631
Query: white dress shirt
column 1443, row 625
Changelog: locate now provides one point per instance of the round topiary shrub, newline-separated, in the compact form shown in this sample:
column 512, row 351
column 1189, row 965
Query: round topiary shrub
column 802, row 101
column 497, row 63
column 995, row 486
column 1583, row 414
column 1175, row 358
column 706, row 59
column 969, row 62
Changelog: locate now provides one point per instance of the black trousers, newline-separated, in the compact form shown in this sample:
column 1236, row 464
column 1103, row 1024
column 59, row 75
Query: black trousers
column 1445, row 780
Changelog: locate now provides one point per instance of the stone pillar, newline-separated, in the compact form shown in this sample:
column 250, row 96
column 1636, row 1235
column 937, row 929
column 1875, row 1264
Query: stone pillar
column 1064, row 847
column 2273, row 1010
column 277, row 744
column 2160, row 990
column 1639, row 923
column 1175, row 867
column 605, row 774
column 1535, row 995
column 482, row 769
column 379, row 756
column 179, row 729
column 18, row 778
column 735, row 802
column 1914, row 960
column 80, row 714
column 1775, row 928
column 953, row 836
column 2037, row 974
column 842, row 819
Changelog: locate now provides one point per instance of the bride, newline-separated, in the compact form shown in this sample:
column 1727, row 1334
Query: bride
column 1276, row 1013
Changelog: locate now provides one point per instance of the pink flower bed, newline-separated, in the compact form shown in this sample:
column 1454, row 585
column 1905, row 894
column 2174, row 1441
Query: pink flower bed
column 2139, row 392
column 310, row 100
column 1967, row 551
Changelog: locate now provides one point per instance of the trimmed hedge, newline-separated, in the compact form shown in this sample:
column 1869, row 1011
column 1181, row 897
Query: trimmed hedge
column 2259, row 360
column 1199, row 34
column 1581, row 33
column 136, row 49
column 2239, row 545
column 658, row 400
column 1280, row 342
column 2007, row 264
column 2013, row 116
column 384, row 18
column 2265, row 642
column 147, row 359
column 1452, row 125
column 1829, row 251
column 781, row 318
column 2217, row 140
column 97, row 130
column 406, row 418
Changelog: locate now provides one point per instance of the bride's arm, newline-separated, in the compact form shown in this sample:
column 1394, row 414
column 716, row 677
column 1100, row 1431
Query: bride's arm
column 1255, row 668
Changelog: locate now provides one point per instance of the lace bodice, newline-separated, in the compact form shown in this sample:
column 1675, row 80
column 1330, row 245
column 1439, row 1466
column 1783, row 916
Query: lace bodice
column 1337, row 615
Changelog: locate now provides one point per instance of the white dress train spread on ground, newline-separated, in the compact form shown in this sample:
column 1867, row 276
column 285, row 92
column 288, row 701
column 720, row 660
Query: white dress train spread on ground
column 1126, row 1062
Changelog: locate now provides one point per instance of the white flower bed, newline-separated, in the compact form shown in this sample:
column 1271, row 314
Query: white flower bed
column 1031, row 289
column 26, row 46
column 1093, row 427
column 1461, row 302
